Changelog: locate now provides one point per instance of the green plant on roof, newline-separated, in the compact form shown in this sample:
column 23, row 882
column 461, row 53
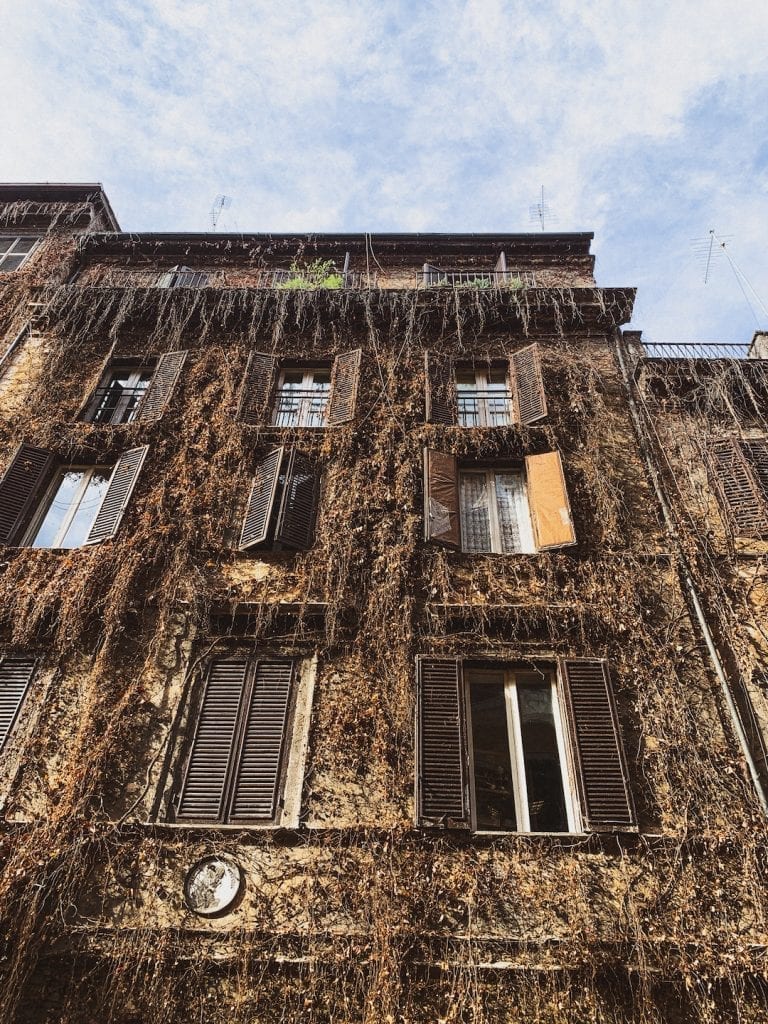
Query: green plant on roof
column 317, row 274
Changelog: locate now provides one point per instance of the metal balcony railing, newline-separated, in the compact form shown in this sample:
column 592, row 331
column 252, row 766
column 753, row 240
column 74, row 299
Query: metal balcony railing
column 114, row 405
column 695, row 350
column 281, row 278
column 509, row 279
column 301, row 407
column 232, row 277
column 484, row 408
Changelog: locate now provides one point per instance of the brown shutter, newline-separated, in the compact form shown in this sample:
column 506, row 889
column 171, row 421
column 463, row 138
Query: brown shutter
column 441, row 498
column 15, row 677
column 161, row 386
column 261, row 500
column 21, row 484
column 598, row 753
column 118, row 494
column 257, row 388
column 442, row 796
column 738, row 484
column 345, row 380
column 295, row 522
column 261, row 753
column 548, row 500
column 527, row 385
column 440, row 386
column 206, row 778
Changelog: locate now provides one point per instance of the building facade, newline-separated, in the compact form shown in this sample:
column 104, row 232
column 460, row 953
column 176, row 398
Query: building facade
column 382, row 633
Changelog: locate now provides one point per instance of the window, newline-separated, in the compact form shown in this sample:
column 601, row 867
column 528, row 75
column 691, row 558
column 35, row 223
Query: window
column 16, row 674
column 499, row 743
column 302, row 397
column 483, row 398
column 14, row 250
column 297, row 396
column 183, row 277
column 282, row 504
column 738, row 468
column 46, row 504
column 130, row 391
column 504, row 510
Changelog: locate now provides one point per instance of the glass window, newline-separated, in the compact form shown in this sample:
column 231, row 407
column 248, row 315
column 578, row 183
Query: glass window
column 117, row 399
column 14, row 249
column 484, row 397
column 493, row 509
column 302, row 397
column 70, row 508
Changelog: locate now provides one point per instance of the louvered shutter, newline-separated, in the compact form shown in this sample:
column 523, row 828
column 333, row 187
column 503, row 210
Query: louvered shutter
column 345, row 380
column 15, row 676
column 260, row 757
column 440, row 386
column 735, row 470
column 598, row 752
column 528, row 385
column 548, row 501
column 261, row 500
column 756, row 450
column 442, row 796
column 204, row 789
column 21, row 484
column 161, row 386
column 441, row 498
column 432, row 275
column 118, row 494
column 295, row 522
column 257, row 388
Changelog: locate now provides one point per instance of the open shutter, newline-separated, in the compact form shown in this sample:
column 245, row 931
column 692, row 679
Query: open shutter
column 257, row 388
column 345, row 379
column 161, row 386
column 21, row 483
column 598, row 753
column 739, row 486
column 260, row 758
column 441, row 498
column 440, row 388
column 433, row 275
column 295, row 523
column 548, row 501
column 501, row 264
column 118, row 494
column 261, row 500
column 528, row 385
column 207, row 774
column 442, row 796
column 15, row 677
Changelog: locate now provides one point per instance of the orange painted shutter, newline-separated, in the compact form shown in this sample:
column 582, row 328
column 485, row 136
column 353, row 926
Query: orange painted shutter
column 548, row 500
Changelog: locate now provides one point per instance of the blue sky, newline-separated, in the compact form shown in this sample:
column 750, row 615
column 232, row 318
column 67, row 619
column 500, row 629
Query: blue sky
column 644, row 122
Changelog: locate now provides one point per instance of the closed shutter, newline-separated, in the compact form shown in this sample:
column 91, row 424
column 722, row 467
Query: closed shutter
column 204, row 788
column 548, row 501
column 161, row 386
column 295, row 522
column 528, row 385
column 261, row 755
column 441, row 498
column 261, row 500
column 15, row 677
column 442, row 796
column 598, row 753
column 22, row 482
column 118, row 494
column 257, row 388
column 440, row 386
column 345, row 380
column 738, row 485
column 756, row 450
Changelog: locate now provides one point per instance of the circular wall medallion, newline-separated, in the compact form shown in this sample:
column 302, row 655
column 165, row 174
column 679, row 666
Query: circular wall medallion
column 213, row 885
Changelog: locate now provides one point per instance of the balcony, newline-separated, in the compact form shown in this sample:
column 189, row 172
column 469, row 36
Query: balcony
column 229, row 277
column 301, row 407
column 694, row 350
column 484, row 408
column 512, row 280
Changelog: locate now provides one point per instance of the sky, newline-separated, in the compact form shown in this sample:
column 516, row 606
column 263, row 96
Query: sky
column 645, row 122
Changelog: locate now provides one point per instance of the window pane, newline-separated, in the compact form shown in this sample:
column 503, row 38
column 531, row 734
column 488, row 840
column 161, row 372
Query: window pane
column 11, row 263
column 59, row 508
column 87, row 509
column 24, row 245
column 475, row 514
column 5, row 244
column 509, row 493
column 498, row 399
column 543, row 772
column 466, row 390
column 494, row 792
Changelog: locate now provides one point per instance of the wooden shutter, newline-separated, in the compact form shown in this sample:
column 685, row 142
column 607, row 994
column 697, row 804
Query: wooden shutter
column 440, row 388
column 261, row 500
column 257, row 388
column 738, row 484
column 295, row 522
column 15, row 677
column 598, row 753
column 118, row 494
column 501, row 265
column 441, row 498
column 548, row 501
column 442, row 793
column 528, row 385
column 432, row 275
column 21, row 484
column 261, row 753
column 161, row 386
column 345, row 380
column 204, row 788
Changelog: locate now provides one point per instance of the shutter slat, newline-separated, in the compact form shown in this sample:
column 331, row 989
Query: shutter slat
column 161, row 386
column 20, row 485
column 261, row 500
column 257, row 775
column 739, row 472
column 345, row 381
column 528, row 385
column 205, row 781
column 441, row 498
column 598, row 752
column 548, row 501
column 441, row 790
column 298, row 503
column 440, row 384
column 15, row 676
column 257, row 388
column 118, row 494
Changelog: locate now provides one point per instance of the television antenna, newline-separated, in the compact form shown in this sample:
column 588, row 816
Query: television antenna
column 540, row 212
column 219, row 203
column 714, row 247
